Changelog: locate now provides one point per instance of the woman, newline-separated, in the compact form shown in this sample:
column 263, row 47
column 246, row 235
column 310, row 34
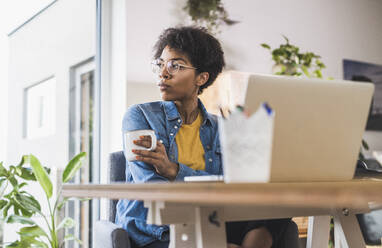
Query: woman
column 187, row 60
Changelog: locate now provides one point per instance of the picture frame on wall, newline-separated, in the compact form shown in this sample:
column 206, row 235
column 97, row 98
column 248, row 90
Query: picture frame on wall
column 40, row 109
column 367, row 72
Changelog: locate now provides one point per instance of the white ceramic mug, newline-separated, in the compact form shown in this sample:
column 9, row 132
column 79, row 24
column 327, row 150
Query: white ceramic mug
column 129, row 138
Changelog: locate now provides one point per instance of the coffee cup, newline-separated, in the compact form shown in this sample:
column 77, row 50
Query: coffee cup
column 129, row 138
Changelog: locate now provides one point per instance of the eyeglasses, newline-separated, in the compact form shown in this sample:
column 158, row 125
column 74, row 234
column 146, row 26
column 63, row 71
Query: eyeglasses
column 172, row 66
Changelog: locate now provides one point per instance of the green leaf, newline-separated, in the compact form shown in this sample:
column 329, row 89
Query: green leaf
column 73, row 166
column 13, row 181
column 61, row 204
column 32, row 231
column 265, row 46
column 3, row 203
column 286, row 39
column 28, row 202
column 3, row 186
column 72, row 237
column 27, row 174
column 20, row 219
column 305, row 70
column 6, row 208
column 66, row 223
column 3, row 171
column 31, row 242
column 22, row 185
column 318, row 73
column 14, row 244
column 41, row 174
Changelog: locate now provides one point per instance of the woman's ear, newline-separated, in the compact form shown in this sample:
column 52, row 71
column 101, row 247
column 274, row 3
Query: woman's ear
column 202, row 78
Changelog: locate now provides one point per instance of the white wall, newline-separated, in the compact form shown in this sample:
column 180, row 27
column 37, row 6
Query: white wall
column 60, row 37
column 334, row 29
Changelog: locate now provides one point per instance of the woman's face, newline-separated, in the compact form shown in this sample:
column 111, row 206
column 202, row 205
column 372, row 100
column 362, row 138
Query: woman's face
column 181, row 85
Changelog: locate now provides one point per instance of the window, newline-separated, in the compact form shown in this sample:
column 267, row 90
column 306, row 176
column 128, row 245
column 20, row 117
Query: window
column 81, row 133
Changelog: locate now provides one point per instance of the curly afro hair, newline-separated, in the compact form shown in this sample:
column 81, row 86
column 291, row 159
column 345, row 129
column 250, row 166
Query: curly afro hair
column 201, row 48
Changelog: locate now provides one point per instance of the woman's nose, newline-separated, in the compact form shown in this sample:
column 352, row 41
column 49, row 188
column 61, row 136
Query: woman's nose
column 164, row 73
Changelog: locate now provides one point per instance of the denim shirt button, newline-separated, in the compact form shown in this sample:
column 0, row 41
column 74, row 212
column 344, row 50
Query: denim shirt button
column 210, row 159
column 179, row 120
column 208, row 147
column 171, row 134
column 175, row 127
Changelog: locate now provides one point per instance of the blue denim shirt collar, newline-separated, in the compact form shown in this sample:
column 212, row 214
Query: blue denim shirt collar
column 172, row 112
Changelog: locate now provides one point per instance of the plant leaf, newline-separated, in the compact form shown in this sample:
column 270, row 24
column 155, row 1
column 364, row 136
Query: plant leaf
column 32, row 231
column 66, row 223
column 3, row 186
column 6, row 208
column 28, row 202
column 72, row 237
column 3, row 203
column 41, row 174
column 3, row 171
column 20, row 219
column 27, row 174
column 73, row 166
column 265, row 46
column 286, row 39
column 61, row 204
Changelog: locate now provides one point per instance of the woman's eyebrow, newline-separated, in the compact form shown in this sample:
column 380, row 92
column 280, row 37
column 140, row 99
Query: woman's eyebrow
column 175, row 59
column 179, row 59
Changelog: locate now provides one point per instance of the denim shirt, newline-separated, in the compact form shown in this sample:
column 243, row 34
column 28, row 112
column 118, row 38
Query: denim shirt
column 162, row 117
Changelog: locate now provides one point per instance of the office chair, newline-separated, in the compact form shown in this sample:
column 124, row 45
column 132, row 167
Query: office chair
column 110, row 235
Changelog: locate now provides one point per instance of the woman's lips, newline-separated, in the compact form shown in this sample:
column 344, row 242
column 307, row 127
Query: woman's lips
column 162, row 86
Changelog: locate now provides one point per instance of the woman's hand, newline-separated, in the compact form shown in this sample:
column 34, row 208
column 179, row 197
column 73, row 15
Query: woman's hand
column 158, row 158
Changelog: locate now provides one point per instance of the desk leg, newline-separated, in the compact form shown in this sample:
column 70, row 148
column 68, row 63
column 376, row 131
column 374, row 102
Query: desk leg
column 182, row 235
column 318, row 232
column 347, row 231
column 210, row 227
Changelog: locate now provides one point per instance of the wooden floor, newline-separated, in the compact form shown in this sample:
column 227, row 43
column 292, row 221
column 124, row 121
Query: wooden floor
column 302, row 223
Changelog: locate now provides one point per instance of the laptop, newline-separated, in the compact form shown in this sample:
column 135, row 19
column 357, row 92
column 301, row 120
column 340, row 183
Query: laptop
column 318, row 125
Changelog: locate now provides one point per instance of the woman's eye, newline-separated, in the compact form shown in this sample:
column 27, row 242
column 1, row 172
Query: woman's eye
column 174, row 65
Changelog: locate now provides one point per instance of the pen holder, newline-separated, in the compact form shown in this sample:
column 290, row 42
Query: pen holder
column 247, row 145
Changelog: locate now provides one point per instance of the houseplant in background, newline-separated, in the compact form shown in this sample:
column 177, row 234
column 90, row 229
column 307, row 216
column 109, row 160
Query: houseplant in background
column 289, row 60
column 208, row 13
column 18, row 205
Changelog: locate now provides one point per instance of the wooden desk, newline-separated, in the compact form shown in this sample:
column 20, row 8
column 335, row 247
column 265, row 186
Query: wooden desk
column 197, row 211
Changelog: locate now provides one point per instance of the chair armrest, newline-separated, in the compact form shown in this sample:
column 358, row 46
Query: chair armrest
column 110, row 235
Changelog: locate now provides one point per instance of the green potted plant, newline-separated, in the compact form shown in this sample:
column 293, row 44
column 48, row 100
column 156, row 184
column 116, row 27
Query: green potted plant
column 18, row 205
column 208, row 13
column 289, row 60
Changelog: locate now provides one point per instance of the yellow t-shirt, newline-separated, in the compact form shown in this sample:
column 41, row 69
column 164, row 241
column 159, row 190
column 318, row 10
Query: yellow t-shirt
column 190, row 148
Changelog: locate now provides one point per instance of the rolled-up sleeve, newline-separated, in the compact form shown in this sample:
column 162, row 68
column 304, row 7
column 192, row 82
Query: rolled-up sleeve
column 185, row 171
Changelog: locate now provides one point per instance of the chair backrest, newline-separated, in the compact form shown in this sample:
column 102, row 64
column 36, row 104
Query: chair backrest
column 117, row 170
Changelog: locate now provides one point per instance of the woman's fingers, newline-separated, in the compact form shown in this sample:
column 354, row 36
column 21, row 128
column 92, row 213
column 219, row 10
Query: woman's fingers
column 160, row 147
column 149, row 154
column 147, row 160
column 144, row 143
